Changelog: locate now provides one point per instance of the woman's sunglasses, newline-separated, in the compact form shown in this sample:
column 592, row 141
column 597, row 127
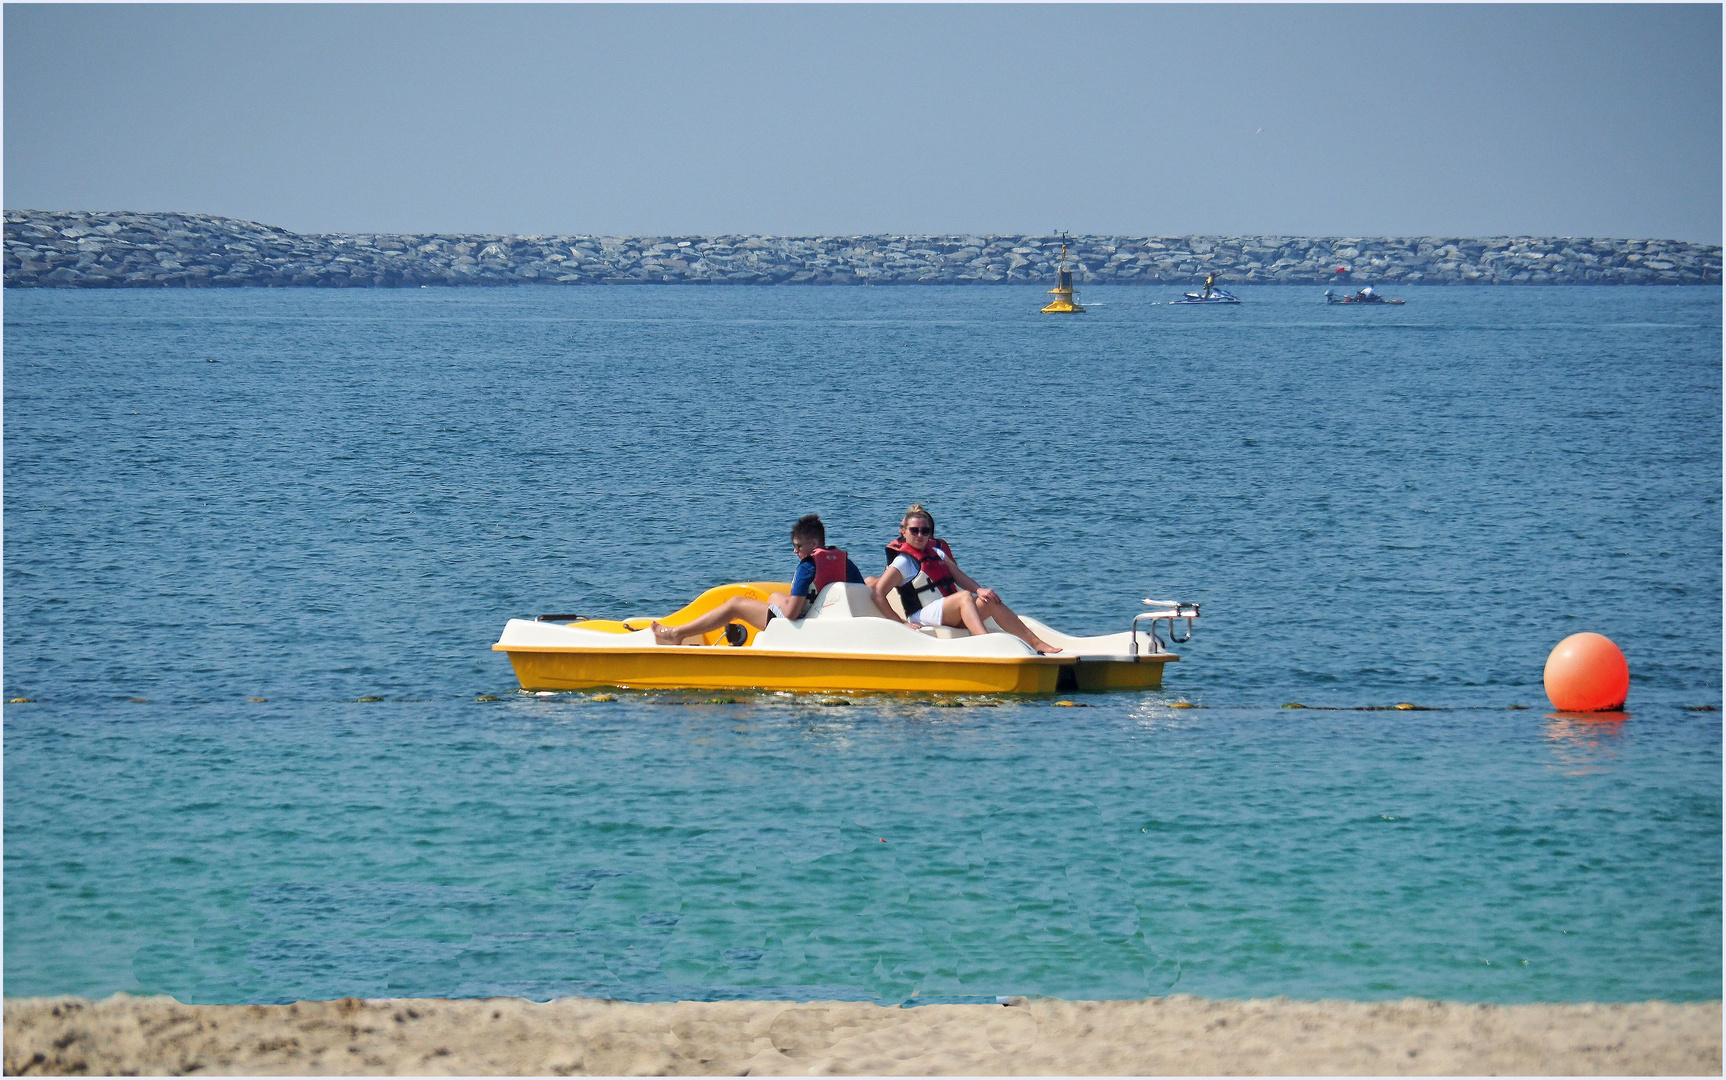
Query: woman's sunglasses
column 917, row 530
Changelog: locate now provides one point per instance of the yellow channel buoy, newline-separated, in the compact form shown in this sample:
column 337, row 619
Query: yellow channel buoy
column 1587, row 673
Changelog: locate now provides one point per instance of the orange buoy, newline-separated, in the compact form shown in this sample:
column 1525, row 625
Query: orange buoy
column 1587, row 673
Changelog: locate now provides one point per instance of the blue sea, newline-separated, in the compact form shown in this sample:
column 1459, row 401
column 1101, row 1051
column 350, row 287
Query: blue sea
column 332, row 501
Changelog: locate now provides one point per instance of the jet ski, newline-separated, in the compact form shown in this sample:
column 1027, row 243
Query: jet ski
column 1365, row 296
column 1217, row 296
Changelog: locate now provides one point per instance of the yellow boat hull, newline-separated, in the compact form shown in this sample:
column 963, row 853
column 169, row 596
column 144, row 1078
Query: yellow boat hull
column 1097, row 676
column 721, row 668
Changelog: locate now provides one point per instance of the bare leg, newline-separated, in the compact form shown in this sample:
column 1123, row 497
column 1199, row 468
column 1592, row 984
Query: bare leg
column 961, row 610
column 753, row 612
column 1003, row 615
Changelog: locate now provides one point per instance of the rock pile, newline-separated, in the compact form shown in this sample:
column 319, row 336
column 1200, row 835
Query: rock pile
column 126, row 250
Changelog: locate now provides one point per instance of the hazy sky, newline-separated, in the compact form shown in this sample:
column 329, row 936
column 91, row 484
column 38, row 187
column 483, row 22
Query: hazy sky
column 1587, row 120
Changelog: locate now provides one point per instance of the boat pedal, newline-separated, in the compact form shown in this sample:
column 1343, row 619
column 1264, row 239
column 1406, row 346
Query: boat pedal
column 736, row 633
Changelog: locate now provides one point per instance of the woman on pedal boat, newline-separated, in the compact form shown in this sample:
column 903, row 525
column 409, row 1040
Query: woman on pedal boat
column 935, row 592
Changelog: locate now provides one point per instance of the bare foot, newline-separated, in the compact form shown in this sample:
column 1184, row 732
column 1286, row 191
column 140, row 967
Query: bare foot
column 1045, row 648
column 666, row 635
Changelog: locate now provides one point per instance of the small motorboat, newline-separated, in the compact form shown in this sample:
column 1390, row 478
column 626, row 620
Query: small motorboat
column 843, row 643
column 1217, row 296
column 1365, row 296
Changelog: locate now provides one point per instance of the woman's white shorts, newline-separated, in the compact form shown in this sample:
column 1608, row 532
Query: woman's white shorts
column 929, row 614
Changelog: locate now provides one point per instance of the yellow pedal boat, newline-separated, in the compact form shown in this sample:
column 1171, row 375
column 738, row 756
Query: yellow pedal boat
column 841, row 644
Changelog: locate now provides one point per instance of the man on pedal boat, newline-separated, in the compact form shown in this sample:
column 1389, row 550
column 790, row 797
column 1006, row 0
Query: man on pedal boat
column 818, row 566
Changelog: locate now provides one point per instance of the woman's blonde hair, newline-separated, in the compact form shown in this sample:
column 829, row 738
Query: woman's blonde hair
column 918, row 510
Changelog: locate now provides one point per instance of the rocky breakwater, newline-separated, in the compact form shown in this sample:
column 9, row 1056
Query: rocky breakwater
column 135, row 250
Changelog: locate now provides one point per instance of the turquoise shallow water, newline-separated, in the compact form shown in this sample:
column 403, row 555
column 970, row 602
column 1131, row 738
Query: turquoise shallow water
column 1374, row 506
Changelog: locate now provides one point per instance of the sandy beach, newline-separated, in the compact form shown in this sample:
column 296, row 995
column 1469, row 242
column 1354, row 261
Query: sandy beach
column 1175, row 1035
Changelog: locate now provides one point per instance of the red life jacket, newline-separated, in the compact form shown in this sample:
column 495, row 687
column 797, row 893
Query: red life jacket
column 934, row 578
column 829, row 567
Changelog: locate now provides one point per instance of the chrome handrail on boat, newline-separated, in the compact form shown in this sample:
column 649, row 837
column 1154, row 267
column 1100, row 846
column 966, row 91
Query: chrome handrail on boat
column 1174, row 609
